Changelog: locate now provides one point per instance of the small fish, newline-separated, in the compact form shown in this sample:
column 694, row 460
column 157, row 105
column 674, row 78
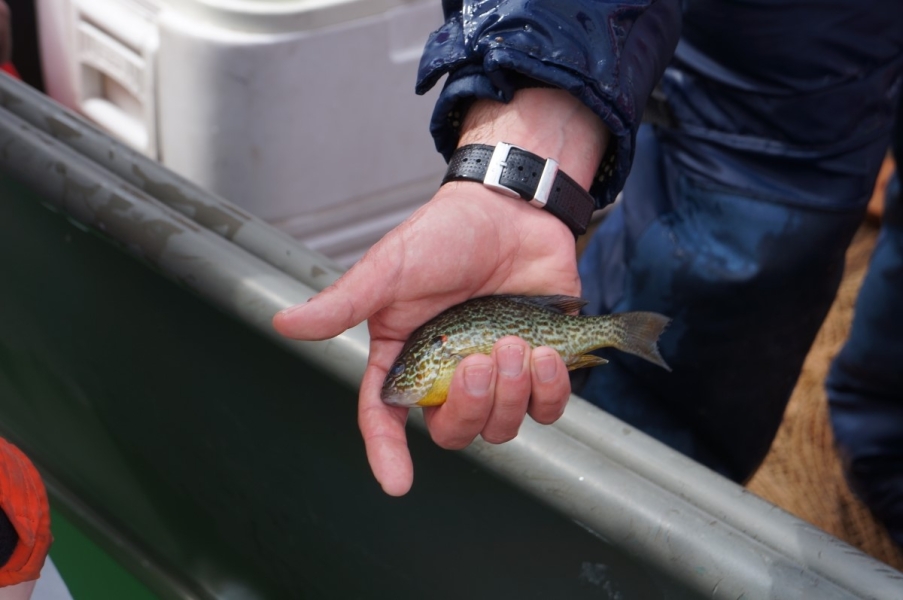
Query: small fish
column 423, row 370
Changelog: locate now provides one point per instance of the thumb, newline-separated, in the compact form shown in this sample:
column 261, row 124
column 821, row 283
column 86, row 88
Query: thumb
column 352, row 299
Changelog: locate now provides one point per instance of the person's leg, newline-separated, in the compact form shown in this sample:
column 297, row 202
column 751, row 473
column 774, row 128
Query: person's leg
column 747, row 282
column 738, row 211
column 865, row 385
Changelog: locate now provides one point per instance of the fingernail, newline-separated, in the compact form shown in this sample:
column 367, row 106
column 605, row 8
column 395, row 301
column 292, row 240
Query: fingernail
column 546, row 368
column 477, row 379
column 511, row 360
column 287, row 311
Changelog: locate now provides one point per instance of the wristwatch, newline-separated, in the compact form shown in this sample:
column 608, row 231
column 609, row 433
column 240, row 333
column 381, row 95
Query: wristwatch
column 517, row 173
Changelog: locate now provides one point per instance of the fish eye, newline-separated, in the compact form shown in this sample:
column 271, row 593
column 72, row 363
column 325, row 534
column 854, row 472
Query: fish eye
column 397, row 369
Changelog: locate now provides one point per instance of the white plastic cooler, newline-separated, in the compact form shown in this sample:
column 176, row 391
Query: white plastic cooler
column 301, row 111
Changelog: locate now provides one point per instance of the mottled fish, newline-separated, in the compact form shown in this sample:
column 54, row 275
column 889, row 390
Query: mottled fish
column 423, row 370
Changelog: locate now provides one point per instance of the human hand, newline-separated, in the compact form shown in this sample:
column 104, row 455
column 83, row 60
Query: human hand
column 468, row 241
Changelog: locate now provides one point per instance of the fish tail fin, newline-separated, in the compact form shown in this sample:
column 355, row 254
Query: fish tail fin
column 637, row 333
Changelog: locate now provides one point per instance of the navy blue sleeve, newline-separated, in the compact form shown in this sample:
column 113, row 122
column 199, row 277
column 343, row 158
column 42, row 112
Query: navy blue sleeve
column 608, row 54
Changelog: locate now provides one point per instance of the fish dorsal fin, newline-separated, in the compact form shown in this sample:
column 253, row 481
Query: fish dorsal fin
column 559, row 304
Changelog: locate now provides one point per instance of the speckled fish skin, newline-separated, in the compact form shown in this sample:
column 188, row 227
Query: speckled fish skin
column 423, row 370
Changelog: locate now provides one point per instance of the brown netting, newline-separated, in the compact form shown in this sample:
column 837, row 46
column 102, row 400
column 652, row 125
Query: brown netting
column 802, row 473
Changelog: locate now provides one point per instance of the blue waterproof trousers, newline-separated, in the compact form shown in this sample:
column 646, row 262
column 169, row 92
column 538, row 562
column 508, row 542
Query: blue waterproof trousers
column 747, row 281
column 734, row 221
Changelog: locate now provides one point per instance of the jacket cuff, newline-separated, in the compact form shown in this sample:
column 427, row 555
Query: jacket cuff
column 612, row 71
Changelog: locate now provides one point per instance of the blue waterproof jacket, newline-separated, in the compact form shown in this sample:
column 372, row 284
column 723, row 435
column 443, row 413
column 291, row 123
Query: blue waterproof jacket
column 774, row 119
column 608, row 54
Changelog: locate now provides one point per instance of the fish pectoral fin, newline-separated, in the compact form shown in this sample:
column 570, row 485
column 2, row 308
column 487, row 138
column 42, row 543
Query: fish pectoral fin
column 586, row 360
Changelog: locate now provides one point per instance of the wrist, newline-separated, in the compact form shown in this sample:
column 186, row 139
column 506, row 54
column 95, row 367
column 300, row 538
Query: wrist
column 518, row 173
column 550, row 123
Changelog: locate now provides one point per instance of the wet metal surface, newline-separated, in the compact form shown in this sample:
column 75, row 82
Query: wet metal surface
column 238, row 466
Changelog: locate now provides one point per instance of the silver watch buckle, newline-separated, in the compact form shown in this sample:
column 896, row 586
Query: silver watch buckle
column 497, row 163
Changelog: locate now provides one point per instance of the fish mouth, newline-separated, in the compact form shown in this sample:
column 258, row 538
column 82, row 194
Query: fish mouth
column 398, row 398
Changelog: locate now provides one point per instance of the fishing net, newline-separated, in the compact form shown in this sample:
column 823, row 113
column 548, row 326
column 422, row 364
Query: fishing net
column 802, row 473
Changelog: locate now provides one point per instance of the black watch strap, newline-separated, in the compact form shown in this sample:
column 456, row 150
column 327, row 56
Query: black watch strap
column 515, row 172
